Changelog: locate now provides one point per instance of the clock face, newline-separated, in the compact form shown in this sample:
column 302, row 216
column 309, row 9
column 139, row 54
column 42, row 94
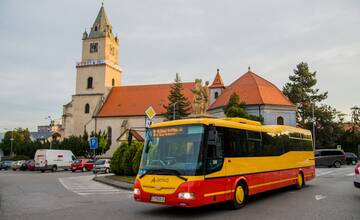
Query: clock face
column 93, row 47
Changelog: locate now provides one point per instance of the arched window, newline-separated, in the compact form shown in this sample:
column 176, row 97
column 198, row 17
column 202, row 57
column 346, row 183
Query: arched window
column 109, row 135
column 113, row 82
column 90, row 83
column 216, row 95
column 280, row 120
column 95, row 28
column 87, row 108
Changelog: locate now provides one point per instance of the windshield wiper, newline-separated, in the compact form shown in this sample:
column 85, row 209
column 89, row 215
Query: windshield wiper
column 163, row 172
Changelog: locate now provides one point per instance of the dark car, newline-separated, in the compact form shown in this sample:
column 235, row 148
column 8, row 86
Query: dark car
column 330, row 158
column 28, row 165
column 351, row 158
column 5, row 165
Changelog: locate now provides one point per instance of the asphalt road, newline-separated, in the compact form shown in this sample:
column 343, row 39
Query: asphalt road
column 65, row 195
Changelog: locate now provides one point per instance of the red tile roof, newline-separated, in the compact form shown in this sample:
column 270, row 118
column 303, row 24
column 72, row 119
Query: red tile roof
column 134, row 100
column 253, row 90
column 218, row 82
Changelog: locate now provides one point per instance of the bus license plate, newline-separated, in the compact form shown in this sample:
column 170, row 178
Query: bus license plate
column 157, row 199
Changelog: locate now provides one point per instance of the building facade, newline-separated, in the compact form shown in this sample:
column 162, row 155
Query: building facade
column 102, row 103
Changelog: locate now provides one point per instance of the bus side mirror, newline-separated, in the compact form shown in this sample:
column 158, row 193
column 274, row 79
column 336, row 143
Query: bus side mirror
column 212, row 137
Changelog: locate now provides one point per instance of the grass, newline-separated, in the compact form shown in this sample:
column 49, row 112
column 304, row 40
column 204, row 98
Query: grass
column 126, row 179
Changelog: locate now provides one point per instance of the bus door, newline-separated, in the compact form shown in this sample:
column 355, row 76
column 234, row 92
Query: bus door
column 215, row 173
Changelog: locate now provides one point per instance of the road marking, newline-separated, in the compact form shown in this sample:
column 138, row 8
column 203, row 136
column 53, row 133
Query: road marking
column 319, row 197
column 84, row 186
column 325, row 173
column 350, row 174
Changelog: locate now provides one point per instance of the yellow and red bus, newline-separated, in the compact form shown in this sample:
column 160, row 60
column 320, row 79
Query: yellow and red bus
column 195, row 162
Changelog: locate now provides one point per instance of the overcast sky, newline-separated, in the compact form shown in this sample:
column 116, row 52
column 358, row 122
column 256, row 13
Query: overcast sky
column 41, row 42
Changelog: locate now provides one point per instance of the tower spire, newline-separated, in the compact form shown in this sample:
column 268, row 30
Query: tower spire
column 101, row 26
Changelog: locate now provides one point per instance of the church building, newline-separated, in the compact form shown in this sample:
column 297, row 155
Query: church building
column 102, row 103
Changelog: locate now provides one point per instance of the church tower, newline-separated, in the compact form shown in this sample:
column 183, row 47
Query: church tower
column 97, row 72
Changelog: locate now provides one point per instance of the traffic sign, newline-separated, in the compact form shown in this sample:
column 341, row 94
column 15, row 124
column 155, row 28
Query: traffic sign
column 93, row 143
column 150, row 112
column 338, row 147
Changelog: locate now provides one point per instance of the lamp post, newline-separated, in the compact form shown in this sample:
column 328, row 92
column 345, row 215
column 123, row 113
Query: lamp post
column 50, row 119
column 174, row 104
column 314, row 124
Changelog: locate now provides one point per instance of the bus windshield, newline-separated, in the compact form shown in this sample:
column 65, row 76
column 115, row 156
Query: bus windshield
column 175, row 148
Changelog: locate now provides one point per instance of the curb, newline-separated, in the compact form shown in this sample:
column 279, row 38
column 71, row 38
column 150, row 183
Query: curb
column 114, row 183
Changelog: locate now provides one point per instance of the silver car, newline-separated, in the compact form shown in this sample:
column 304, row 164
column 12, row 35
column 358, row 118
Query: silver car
column 102, row 165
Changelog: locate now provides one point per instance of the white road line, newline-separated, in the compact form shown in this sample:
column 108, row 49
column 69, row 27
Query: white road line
column 84, row 186
column 350, row 174
column 325, row 173
column 319, row 197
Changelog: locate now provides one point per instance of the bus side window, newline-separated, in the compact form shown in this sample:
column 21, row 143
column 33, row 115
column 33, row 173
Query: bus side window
column 215, row 155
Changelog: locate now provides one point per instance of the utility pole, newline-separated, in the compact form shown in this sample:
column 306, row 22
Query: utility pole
column 314, row 124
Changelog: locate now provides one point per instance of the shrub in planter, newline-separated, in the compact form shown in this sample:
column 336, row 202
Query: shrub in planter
column 126, row 159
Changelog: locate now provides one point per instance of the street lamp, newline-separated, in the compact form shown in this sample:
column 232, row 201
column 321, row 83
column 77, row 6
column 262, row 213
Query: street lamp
column 314, row 123
column 50, row 119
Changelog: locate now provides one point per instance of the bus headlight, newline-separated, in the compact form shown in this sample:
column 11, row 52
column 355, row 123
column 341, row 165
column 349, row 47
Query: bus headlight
column 186, row 195
column 136, row 191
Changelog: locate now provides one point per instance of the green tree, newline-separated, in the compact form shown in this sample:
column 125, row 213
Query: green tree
column 237, row 108
column 355, row 118
column 302, row 92
column 177, row 98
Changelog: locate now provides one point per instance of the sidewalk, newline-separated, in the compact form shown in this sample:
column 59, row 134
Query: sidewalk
column 114, row 183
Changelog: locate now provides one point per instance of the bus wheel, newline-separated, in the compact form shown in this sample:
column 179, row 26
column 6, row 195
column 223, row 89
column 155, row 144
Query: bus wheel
column 54, row 168
column 300, row 181
column 240, row 196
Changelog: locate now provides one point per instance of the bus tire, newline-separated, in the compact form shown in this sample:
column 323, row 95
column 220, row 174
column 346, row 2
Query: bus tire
column 300, row 182
column 240, row 196
column 54, row 168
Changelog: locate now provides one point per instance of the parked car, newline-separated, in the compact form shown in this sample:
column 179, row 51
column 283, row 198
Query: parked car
column 102, row 165
column 351, row 158
column 329, row 158
column 53, row 159
column 89, row 165
column 17, row 164
column 28, row 165
column 357, row 176
column 6, row 164
column 79, row 164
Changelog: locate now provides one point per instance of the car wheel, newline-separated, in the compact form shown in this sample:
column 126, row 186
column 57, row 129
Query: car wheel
column 353, row 162
column 240, row 196
column 73, row 171
column 300, row 181
column 54, row 168
column 83, row 169
column 107, row 170
column 337, row 164
column 43, row 171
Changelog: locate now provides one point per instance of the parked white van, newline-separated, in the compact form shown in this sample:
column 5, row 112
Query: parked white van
column 46, row 159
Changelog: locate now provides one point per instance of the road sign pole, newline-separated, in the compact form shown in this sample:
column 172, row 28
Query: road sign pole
column 94, row 162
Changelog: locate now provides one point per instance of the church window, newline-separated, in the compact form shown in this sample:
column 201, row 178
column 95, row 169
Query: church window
column 113, row 82
column 280, row 120
column 216, row 95
column 87, row 108
column 109, row 135
column 93, row 47
column 90, row 83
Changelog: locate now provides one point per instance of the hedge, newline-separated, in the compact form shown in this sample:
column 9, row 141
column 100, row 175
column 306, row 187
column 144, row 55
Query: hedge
column 126, row 159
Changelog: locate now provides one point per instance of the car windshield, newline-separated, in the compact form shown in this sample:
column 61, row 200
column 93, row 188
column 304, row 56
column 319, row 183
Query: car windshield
column 77, row 161
column 173, row 149
column 100, row 162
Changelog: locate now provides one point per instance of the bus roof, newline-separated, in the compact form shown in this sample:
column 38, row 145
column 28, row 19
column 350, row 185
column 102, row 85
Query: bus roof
column 239, row 123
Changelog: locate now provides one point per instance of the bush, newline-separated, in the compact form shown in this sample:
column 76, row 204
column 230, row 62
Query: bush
column 126, row 159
